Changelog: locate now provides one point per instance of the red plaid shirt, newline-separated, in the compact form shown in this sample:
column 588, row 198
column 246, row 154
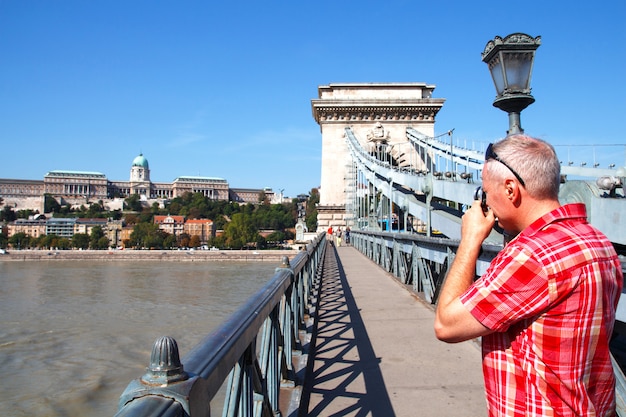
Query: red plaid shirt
column 550, row 296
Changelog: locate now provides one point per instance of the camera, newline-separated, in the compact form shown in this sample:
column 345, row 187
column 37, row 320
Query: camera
column 481, row 196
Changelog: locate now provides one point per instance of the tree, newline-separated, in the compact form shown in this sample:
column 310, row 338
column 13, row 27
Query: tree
column 96, row 233
column 183, row 240
column 7, row 214
column 27, row 213
column 169, row 241
column 263, row 199
column 147, row 235
column 3, row 240
column 311, row 209
column 194, row 241
column 20, row 240
column 133, row 202
column 174, row 208
column 49, row 241
column 240, row 231
column 97, row 239
column 63, row 243
column 194, row 213
column 146, row 216
column 50, row 204
column 131, row 218
column 80, row 241
column 103, row 243
column 115, row 214
column 218, row 242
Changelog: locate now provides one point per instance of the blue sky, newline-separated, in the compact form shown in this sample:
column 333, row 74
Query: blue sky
column 224, row 89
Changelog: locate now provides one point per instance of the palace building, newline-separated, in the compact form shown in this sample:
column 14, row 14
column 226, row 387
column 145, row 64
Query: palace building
column 78, row 188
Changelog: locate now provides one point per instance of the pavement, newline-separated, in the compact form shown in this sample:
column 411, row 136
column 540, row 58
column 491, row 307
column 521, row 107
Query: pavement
column 374, row 352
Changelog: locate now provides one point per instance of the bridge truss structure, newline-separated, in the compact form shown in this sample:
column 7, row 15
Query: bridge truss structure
column 402, row 188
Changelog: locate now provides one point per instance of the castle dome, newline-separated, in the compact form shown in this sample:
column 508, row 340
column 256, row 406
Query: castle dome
column 140, row 161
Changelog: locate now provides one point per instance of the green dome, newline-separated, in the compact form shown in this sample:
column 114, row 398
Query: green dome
column 140, row 161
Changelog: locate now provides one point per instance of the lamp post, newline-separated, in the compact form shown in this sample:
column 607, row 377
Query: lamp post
column 510, row 61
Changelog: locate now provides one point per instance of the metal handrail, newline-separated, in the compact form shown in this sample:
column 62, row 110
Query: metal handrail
column 277, row 312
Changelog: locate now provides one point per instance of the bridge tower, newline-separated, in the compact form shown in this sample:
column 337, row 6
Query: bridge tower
column 378, row 114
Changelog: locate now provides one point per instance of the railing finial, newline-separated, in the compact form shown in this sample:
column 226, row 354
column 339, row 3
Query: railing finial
column 285, row 262
column 165, row 366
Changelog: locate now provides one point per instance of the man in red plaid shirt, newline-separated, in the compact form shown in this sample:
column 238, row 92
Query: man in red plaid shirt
column 545, row 307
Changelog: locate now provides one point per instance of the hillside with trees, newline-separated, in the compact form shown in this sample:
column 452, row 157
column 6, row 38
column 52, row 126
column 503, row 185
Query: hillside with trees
column 259, row 226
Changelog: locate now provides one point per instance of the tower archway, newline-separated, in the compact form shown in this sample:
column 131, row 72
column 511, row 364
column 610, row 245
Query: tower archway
column 379, row 114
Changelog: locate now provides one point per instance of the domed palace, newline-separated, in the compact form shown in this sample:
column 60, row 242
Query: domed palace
column 82, row 188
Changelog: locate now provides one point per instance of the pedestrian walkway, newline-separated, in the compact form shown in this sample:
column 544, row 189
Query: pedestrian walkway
column 375, row 353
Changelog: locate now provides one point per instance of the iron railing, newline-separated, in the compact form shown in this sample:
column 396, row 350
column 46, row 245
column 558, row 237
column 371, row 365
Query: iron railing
column 257, row 372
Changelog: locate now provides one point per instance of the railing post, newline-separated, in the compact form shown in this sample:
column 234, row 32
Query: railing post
column 288, row 321
column 166, row 378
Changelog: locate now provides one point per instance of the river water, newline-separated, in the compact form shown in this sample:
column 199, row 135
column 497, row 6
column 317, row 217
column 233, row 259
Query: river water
column 74, row 334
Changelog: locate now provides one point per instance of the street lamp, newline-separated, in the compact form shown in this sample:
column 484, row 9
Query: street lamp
column 510, row 61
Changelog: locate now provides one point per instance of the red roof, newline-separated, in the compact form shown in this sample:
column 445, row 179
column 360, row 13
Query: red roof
column 199, row 221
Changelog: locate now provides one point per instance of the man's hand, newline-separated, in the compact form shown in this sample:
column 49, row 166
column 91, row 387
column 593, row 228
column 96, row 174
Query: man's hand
column 453, row 322
column 476, row 225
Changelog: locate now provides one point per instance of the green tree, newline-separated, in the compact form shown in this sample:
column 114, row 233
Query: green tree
column 95, row 210
column 20, row 241
column 103, row 243
column 146, row 216
column 64, row 243
column 133, row 202
column 97, row 238
column 50, row 204
column 96, row 233
column 4, row 240
column 169, row 241
column 25, row 214
column 311, row 210
column 263, row 199
column 115, row 214
column 194, row 213
column 7, row 214
column 174, row 208
column 147, row 235
column 49, row 241
column 240, row 231
column 218, row 242
column 80, row 241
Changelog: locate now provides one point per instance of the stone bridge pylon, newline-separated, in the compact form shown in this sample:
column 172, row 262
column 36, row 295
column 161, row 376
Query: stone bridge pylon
column 378, row 114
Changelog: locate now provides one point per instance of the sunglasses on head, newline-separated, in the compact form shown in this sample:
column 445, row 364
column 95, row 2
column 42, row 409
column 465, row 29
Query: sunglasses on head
column 490, row 154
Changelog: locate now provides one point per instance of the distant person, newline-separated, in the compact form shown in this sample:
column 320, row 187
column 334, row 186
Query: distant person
column 329, row 234
column 338, row 233
column 545, row 306
column 348, row 235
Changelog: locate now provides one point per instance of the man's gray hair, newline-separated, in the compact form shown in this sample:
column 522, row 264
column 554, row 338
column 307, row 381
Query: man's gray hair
column 534, row 160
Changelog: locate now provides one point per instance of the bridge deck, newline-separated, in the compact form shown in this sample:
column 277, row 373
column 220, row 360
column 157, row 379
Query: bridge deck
column 375, row 353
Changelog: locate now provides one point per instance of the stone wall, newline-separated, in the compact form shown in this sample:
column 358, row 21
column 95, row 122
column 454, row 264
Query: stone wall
column 275, row 256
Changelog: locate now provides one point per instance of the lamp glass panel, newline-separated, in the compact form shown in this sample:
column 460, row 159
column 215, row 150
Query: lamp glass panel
column 517, row 67
column 495, row 67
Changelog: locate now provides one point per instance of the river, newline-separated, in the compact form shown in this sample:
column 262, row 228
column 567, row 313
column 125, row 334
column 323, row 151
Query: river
column 73, row 334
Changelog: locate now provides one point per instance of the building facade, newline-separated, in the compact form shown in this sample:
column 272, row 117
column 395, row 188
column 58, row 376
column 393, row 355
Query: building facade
column 203, row 228
column 378, row 114
column 76, row 188
column 173, row 225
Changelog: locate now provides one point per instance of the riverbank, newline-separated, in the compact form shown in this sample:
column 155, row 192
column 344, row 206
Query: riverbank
column 149, row 255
